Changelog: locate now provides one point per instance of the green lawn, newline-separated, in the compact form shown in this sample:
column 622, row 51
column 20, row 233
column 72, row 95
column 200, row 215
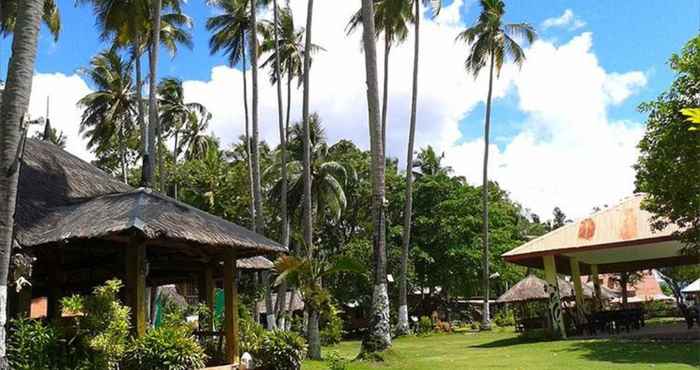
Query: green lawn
column 506, row 350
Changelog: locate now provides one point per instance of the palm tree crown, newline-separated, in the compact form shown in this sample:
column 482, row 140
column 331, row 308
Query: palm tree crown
column 8, row 17
column 489, row 37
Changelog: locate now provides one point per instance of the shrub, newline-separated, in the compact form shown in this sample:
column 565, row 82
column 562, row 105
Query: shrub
column 504, row 318
column 31, row 345
column 425, row 325
column 332, row 332
column 280, row 350
column 168, row 347
column 336, row 362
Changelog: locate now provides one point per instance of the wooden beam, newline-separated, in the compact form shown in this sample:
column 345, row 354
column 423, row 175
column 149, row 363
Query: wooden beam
column 556, row 317
column 136, row 285
column 207, row 290
column 55, row 285
column 231, row 307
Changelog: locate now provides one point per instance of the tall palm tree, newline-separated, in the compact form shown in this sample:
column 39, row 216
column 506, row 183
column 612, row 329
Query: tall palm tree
column 124, row 24
column 194, row 137
column 379, row 334
column 109, row 110
column 175, row 114
column 14, row 104
column 402, row 326
column 390, row 18
column 255, row 137
column 149, row 151
column 307, row 222
column 230, row 35
column 491, row 42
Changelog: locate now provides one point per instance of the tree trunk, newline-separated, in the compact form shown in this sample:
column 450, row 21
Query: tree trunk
column 269, row 308
column 624, row 279
column 15, row 100
column 403, row 326
column 175, row 153
column 247, row 140
column 486, row 316
column 140, row 119
column 307, row 217
column 314, row 335
column 255, row 158
column 385, row 93
column 149, row 158
column 281, row 291
column 289, row 101
column 379, row 333
column 122, row 155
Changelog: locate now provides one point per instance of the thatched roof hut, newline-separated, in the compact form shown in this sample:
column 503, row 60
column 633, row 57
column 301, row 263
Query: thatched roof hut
column 297, row 303
column 256, row 263
column 532, row 288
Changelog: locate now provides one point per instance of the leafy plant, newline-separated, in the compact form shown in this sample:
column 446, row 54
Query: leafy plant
column 101, row 324
column 425, row 325
column 504, row 318
column 168, row 347
column 31, row 345
column 332, row 333
column 336, row 362
column 280, row 350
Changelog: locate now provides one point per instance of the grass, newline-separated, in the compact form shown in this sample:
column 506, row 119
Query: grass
column 506, row 350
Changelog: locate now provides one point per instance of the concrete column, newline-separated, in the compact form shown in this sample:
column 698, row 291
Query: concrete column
column 136, row 285
column 596, row 286
column 556, row 318
column 231, row 308
column 578, row 288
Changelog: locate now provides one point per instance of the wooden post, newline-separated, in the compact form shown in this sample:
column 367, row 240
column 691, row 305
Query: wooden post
column 206, row 292
column 136, row 285
column 556, row 318
column 596, row 286
column 55, row 292
column 231, row 307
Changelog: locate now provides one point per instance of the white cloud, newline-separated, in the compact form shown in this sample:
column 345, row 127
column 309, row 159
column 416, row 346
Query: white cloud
column 566, row 20
column 568, row 153
column 63, row 92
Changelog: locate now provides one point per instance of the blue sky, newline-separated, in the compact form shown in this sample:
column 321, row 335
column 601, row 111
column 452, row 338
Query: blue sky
column 573, row 105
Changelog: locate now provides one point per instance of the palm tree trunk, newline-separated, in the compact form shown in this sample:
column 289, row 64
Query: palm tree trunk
column 403, row 327
column 152, row 97
column 314, row 336
column 312, row 328
column 122, row 154
column 255, row 158
column 307, row 216
column 281, row 291
column 269, row 307
column 385, row 93
column 289, row 101
column 486, row 317
column 379, row 333
column 15, row 100
column 177, row 132
column 247, row 139
column 140, row 112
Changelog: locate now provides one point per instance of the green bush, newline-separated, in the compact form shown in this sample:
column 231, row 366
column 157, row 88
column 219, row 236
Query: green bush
column 332, row 332
column 504, row 318
column 653, row 308
column 31, row 345
column 425, row 325
column 280, row 350
column 168, row 347
column 336, row 362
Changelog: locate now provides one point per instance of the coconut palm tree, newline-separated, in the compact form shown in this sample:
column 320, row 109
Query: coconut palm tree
column 194, row 137
column 109, row 111
column 230, row 35
column 492, row 42
column 402, row 326
column 50, row 16
column 15, row 101
column 379, row 334
column 175, row 114
column 391, row 18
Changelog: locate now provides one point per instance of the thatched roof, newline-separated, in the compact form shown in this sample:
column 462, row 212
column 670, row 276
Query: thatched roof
column 532, row 288
column 297, row 304
column 63, row 198
column 255, row 263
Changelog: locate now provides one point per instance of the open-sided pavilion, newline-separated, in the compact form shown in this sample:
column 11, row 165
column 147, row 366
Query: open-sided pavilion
column 84, row 227
column 616, row 239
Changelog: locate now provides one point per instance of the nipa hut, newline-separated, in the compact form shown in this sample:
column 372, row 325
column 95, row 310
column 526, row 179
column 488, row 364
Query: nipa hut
column 82, row 227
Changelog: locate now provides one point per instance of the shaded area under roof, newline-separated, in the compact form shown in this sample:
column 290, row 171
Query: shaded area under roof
column 63, row 198
column 618, row 238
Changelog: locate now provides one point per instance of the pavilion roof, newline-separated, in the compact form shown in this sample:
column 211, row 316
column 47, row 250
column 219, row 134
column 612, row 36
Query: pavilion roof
column 63, row 198
column 618, row 238
column 532, row 288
